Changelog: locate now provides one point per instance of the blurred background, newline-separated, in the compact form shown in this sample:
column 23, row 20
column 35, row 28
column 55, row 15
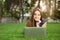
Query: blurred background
column 15, row 13
column 18, row 11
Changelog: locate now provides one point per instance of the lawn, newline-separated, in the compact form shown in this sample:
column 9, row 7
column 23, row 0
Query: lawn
column 14, row 31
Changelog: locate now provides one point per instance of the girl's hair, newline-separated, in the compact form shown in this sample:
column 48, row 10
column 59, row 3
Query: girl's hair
column 32, row 22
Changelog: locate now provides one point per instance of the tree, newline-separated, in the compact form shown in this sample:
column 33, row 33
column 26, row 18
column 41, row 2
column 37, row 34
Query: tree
column 1, row 9
column 11, row 7
column 57, row 14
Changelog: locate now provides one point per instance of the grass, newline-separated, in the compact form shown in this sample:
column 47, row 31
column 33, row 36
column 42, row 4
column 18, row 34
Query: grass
column 14, row 31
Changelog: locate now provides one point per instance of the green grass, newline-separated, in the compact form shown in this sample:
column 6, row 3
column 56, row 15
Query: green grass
column 14, row 31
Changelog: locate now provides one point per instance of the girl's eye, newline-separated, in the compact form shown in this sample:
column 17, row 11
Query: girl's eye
column 38, row 14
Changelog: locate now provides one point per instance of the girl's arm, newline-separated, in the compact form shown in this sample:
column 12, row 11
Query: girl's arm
column 44, row 25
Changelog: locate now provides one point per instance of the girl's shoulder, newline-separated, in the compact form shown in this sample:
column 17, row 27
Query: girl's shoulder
column 43, row 20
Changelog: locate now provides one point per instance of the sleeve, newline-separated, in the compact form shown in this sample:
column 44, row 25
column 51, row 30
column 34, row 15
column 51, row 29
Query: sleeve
column 42, row 22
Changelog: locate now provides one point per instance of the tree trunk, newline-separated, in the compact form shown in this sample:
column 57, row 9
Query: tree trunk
column 0, row 11
column 48, row 8
column 21, row 9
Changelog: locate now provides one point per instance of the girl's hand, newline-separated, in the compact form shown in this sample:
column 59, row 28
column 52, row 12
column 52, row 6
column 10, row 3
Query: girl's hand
column 37, row 23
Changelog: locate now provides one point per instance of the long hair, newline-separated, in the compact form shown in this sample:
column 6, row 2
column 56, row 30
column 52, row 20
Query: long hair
column 33, row 22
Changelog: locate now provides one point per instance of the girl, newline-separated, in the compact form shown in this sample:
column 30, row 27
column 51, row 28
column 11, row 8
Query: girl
column 37, row 19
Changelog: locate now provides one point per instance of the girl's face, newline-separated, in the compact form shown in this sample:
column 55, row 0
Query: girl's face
column 37, row 16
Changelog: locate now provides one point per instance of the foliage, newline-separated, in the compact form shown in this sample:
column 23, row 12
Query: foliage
column 7, row 5
column 57, row 14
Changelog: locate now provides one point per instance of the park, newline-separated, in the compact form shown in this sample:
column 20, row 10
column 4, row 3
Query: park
column 15, row 13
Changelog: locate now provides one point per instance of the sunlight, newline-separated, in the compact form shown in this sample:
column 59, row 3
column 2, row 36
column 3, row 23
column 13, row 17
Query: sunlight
column 43, row 6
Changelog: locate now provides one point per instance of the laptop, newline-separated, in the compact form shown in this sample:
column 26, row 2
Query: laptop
column 34, row 32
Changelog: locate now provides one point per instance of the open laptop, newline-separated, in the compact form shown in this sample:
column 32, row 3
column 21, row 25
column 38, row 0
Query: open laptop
column 34, row 32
